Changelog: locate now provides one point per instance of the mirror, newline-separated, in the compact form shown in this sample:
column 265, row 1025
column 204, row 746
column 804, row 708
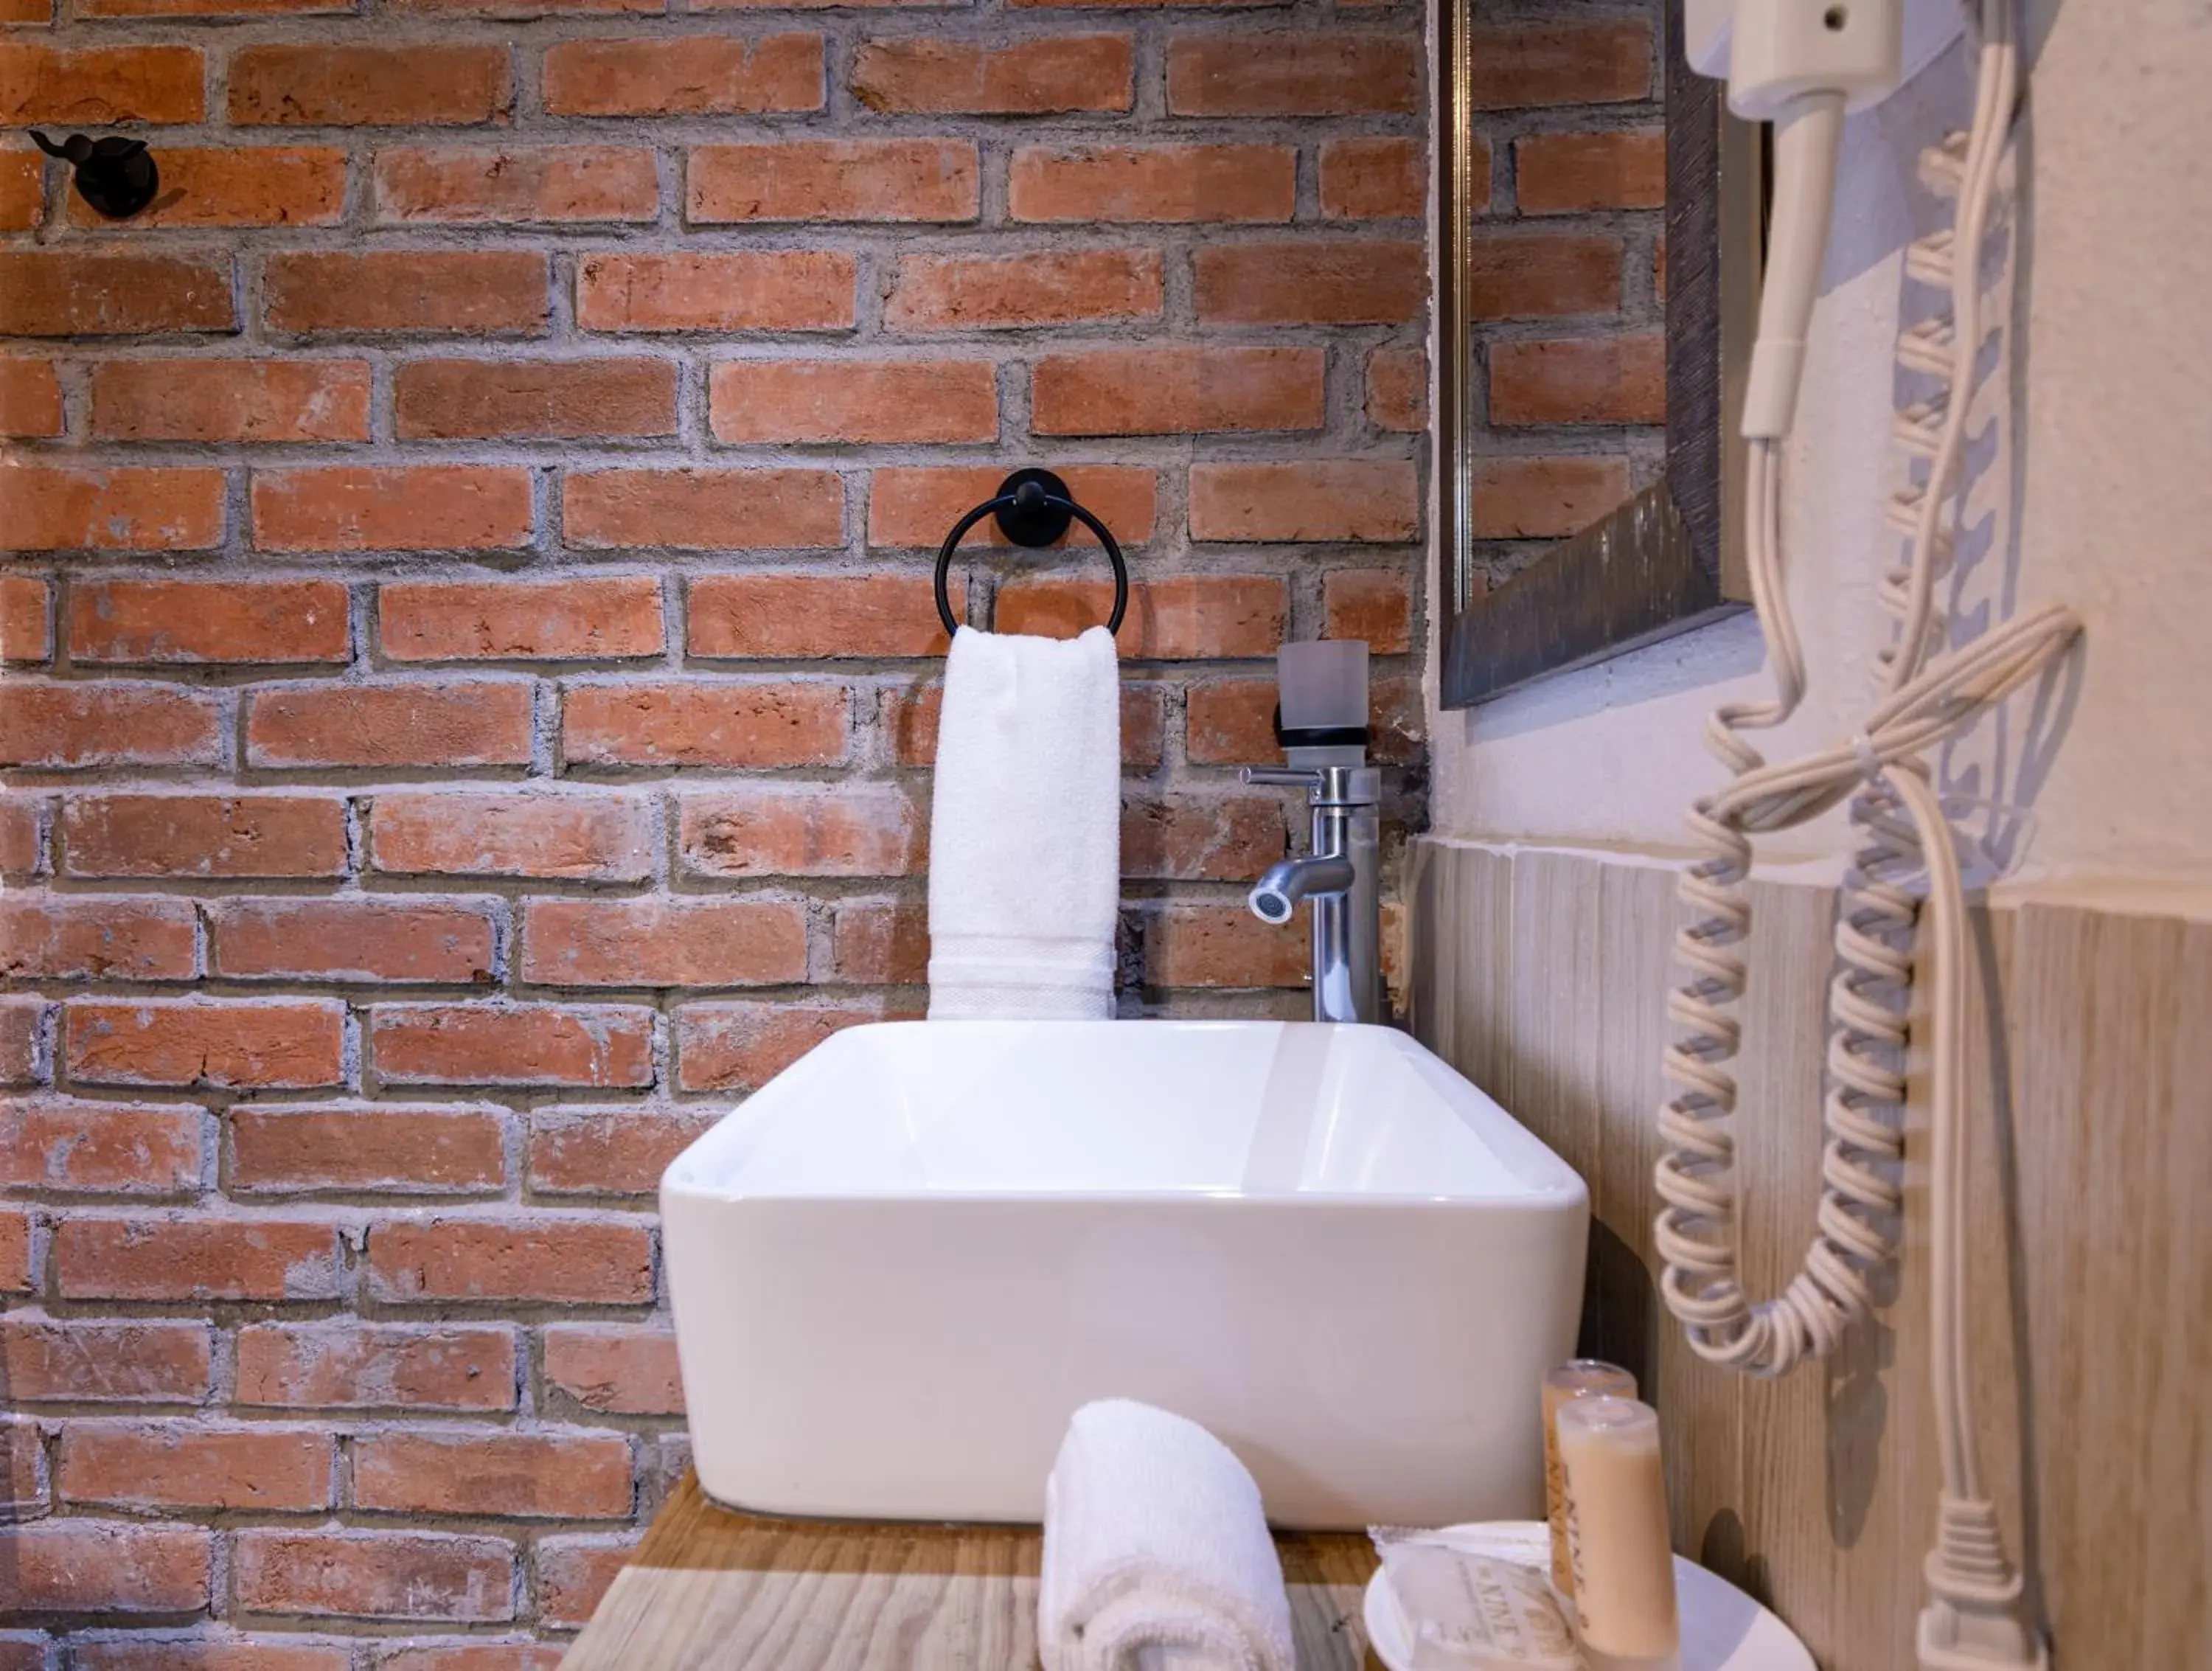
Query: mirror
column 1592, row 331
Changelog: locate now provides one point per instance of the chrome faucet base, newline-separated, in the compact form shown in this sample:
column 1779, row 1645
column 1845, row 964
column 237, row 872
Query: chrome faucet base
column 1341, row 878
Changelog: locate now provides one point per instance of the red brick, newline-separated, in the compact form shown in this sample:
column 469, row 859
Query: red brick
column 1178, row 391
column 19, row 1272
column 131, row 509
column 63, row 293
column 69, row 726
column 242, row 1044
column 522, row 9
column 880, row 942
column 663, row 942
column 520, row 620
column 373, row 1575
column 1034, row 76
column 575, row 837
column 568, row 1476
column 482, row 185
column 915, row 506
column 691, row 75
column 1339, row 280
column 511, row 1044
column 23, row 1495
column 1064, row 286
column 473, row 1655
column 802, row 830
column 611, row 1151
column 1398, row 389
column 204, row 836
column 1564, row 173
column 1543, row 498
column 371, row 1146
column 99, row 1258
column 443, row 941
column 23, row 834
column 478, row 722
column 1373, row 604
column 573, row 1576
column 621, row 1370
column 325, row 85
column 1375, row 180
column 26, row 635
column 474, row 291
column 1333, row 73
column 1175, row 617
column 833, row 179
column 99, row 1361
column 208, row 621
column 238, row 185
column 1596, row 380
column 101, row 1147
column 100, row 86
column 1190, row 838
column 1230, row 721
column 231, row 400
column 741, row 1046
column 1543, row 276
column 1152, row 183
column 698, row 722
column 85, row 1566
column 910, row 717
column 361, row 1366
column 725, row 290
column 1191, row 943
column 414, row 507
column 22, row 187
column 703, row 510
column 854, row 400
column 1315, row 499
column 563, row 399
column 146, row 1652
column 30, row 400
column 556, row 1259
column 165, row 1465
column 61, row 936
column 824, row 615
column 1603, row 62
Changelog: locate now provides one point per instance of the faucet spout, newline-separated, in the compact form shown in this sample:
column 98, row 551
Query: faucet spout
column 1276, row 895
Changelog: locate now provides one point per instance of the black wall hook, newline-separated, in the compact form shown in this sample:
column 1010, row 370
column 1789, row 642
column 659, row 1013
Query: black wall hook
column 117, row 176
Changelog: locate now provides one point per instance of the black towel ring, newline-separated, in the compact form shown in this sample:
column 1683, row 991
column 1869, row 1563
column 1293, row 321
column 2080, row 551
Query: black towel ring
column 1034, row 507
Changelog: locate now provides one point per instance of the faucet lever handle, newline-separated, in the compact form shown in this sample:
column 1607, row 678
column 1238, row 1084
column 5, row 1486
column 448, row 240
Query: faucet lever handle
column 1290, row 776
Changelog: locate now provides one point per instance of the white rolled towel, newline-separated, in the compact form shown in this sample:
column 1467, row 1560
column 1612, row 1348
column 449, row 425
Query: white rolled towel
column 1156, row 1551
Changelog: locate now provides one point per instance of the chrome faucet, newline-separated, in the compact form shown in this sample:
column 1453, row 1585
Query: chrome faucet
column 1340, row 877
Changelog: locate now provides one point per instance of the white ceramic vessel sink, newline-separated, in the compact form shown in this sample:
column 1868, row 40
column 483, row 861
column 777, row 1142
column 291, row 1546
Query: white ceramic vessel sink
column 902, row 1264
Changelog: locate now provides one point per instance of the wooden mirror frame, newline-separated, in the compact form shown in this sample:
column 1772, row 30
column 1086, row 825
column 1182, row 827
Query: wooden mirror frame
column 1669, row 558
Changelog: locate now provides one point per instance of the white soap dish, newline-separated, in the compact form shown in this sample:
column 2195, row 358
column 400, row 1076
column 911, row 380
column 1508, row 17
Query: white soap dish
column 1723, row 1628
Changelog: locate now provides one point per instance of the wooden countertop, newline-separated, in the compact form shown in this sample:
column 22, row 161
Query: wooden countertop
column 737, row 1592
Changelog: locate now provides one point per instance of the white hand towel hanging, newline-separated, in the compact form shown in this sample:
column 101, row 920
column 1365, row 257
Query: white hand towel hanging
column 1024, row 836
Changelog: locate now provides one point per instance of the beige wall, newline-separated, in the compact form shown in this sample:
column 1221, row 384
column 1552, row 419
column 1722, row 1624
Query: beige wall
column 2105, row 427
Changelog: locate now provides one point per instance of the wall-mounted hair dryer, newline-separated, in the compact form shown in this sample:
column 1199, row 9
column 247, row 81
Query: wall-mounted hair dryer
column 1801, row 66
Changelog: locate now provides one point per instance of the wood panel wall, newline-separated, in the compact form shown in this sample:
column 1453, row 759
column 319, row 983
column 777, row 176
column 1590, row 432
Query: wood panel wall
column 1541, row 975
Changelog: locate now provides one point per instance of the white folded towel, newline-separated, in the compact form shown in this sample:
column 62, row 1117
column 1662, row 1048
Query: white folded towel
column 1025, row 829
column 1156, row 1552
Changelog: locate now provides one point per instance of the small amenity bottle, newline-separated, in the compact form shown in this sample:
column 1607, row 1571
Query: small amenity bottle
column 1581, row 1377
column 1617, row 1535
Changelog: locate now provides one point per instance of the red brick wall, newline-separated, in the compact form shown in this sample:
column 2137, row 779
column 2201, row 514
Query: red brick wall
column 1569, row 295
column 466, row 559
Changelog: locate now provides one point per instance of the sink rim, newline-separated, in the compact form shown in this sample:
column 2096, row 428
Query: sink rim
column 1542, row 1181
